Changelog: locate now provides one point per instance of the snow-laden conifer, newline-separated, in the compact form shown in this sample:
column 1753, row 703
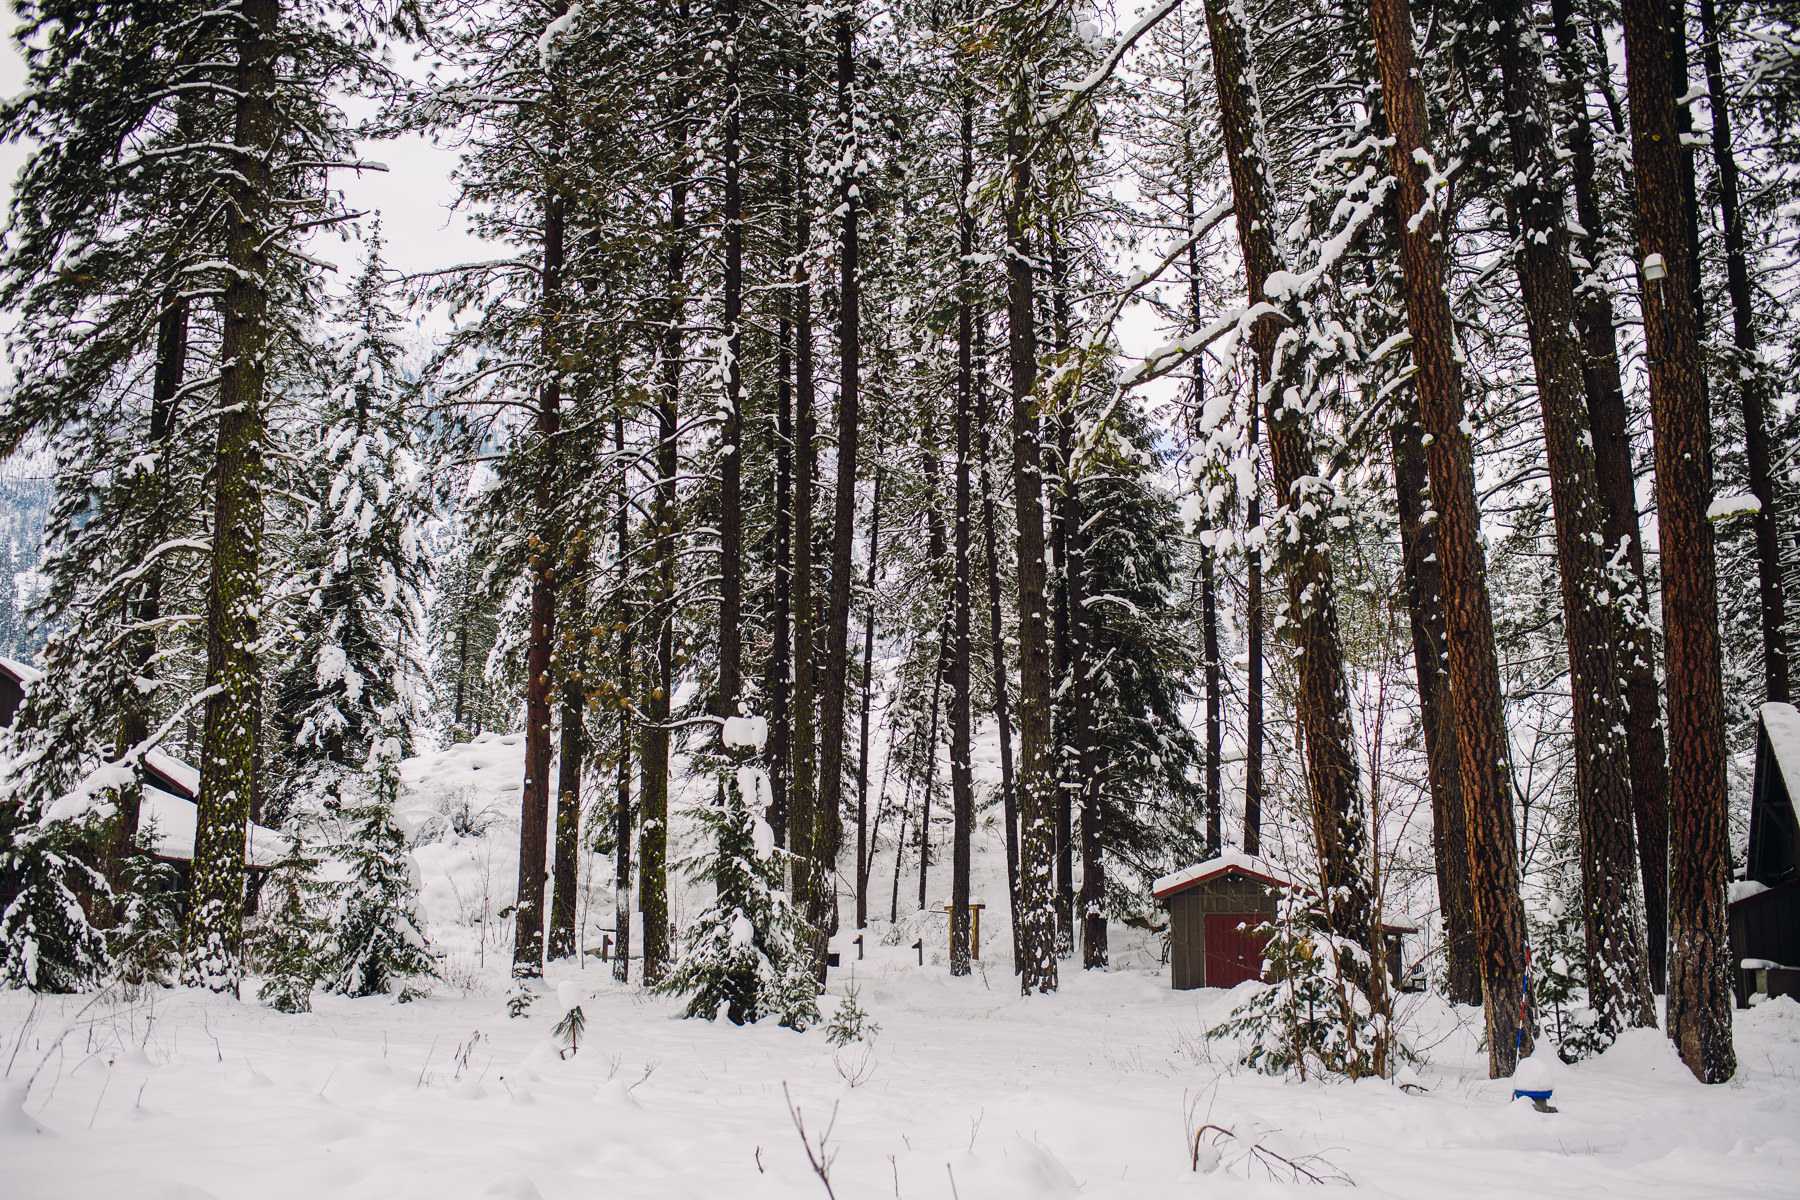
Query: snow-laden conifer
column 747, row 955
column 378, row 943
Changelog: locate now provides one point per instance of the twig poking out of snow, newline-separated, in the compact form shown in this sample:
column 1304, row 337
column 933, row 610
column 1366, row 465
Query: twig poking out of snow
column 820, row 1158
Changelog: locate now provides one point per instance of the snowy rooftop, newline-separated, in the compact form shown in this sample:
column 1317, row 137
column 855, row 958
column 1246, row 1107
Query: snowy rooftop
column 175, row 820
column 1231, row 860
column 1782, row 723
column 19, row 670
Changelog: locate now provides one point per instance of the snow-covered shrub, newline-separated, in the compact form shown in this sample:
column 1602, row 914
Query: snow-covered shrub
column 1559, row 983
column 145, row 943
column 1318, row 1017
column 378, row 943
column 48, row 941
column 746, row 956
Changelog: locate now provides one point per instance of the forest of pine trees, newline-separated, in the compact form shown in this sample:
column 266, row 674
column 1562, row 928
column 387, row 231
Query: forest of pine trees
column 1257, row 422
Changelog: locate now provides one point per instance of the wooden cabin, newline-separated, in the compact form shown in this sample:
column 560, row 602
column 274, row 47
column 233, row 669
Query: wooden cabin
column 1215, row 908
column 1764, row 917
column 171, row 798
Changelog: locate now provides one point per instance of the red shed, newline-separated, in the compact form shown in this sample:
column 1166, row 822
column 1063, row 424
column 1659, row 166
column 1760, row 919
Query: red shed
column 1215, row 906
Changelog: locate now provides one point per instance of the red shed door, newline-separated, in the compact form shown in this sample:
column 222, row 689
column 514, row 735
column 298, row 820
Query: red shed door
column 1233, row 953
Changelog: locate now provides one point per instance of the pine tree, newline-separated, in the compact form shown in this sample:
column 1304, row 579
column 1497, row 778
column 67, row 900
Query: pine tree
column 358, row 570
column 290, row 945
column 748, row 955
column 378, row 944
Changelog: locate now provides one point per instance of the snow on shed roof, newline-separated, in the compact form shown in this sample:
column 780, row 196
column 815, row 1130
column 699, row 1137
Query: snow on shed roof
column 1259, row 869
column 1231, row 860
column 20, row 671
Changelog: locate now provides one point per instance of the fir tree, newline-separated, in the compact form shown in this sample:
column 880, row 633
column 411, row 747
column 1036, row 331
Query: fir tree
column 748, row 955
column 378, row 943
column 292, row 941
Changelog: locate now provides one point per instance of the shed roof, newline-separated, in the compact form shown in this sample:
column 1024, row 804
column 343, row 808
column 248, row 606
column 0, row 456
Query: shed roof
column 1250, row 866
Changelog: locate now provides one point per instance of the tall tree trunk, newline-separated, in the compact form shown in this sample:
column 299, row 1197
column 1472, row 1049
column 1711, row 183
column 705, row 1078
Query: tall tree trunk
column 804, row 826
column 837, row 615
column 1635, row 639
column 1009, row 803
column 777, row 684
column 1423, row 582
column 1253, row 619
column 134, row 727
column 1469, row 625
column 622, row 785
column 653, row 795
column 868, row 668
column 215, row 917
column 1752, row 391
column 1699, row 1008
column 1209, row 599
column 731, row 450
column 962, row 776
column 566, row 862
column 534, row 811
column 1323, row 701
column 1619, row 981
column 1061, row 511
column 1037, row 767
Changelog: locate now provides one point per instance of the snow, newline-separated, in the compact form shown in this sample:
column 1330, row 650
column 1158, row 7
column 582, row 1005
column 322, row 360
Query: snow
column 745, row 733
column 1085, row 1092
column 967, row 1091
column 1732, row 506
column 1743, row 889
column 1782, row 723
column 1231, row 860
column 175, row 818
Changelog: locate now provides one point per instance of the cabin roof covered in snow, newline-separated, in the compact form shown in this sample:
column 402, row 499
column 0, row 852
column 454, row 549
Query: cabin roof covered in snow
column 1782, row 723
column 20, row 671
column 175, row 818
column 1252, row 867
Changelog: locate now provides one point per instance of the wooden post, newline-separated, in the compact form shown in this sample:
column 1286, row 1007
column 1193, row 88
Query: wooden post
column 975, row 932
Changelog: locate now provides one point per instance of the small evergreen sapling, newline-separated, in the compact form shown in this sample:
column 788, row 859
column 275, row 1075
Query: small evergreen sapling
column 745, row 957
column 379, row 945
column 1317, row 1018
column 568, row 1031
column 292, row 946
column 851, row 1022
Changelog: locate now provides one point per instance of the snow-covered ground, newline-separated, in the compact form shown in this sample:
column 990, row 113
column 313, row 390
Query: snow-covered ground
column 967, row 1092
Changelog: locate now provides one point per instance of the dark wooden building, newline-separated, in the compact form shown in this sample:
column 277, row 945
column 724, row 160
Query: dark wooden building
column 1764, row 918
column 1215, row 908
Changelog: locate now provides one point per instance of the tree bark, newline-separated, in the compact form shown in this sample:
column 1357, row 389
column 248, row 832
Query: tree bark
column 215, row 917
column 566, row 864
column 622, row 787
column 731, row 454
column 1699, row 1007
column 1036, row 768
column 1423, row 581
column 653, row 795
column 804, row 826
column 997, row 653
column 837, row 615
column 1635, row 639
column 1752, row 391
column 868, row 665
column 534, row 813
column 962, row 777
column 1618, row 978
column 1323, row 702
column 1469, row 626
